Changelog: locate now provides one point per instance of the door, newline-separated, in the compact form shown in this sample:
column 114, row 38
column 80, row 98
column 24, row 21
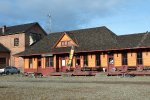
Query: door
column 63, row 62
column 111, row 62
column 57, row 64
column 139, row 61
column 39, row 65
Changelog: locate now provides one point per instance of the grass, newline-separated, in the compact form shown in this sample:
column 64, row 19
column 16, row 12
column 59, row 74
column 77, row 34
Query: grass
column 14, row 87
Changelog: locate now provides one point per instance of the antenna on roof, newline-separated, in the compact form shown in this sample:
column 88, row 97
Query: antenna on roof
column 49, row 23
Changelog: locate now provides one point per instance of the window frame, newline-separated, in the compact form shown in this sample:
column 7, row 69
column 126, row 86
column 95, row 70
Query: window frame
column 16, row 41
column 3, row 60
column 65, row 43
column 98, row 60
column 85, row 60
column 49, row 61
column 139, row 58
column 30, row 63
column 124, row 58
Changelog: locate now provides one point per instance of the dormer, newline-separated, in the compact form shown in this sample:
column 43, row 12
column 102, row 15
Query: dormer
column 65, row 41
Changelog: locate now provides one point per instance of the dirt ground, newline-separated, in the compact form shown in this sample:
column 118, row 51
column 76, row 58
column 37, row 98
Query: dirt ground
column 99, row 87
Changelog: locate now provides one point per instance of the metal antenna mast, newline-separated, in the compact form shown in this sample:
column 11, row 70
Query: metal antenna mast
column 49, row 23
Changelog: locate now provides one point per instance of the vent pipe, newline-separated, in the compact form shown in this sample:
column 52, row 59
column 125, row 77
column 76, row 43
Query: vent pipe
column 3, row 29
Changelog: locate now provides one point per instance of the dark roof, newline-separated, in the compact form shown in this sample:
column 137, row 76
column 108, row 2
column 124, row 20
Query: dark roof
column 92, row 39
column 3, row 48
column 17, row 28
column 134, row 40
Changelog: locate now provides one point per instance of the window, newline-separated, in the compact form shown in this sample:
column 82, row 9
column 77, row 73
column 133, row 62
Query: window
column 30, row 62
column 68, row 43
column 49, row 61
column 2, row 61
column 98, row 60
column 139, row 58
column 65, row 43
column 85, row 60
column 34, row 37
column 124, row 59
column 62, row 43
column 16, row 41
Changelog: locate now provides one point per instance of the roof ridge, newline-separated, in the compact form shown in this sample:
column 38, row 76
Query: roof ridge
column 133, row 34
column 80, row 29
column 22, row 24
column 86, row 29
column 18, row 28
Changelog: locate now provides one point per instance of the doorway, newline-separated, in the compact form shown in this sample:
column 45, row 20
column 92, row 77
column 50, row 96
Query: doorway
column 57, row 64
column 78, row 63
column 39, row 64
column 111, row 62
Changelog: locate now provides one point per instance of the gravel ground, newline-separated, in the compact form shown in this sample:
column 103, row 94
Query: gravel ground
column 16, row 87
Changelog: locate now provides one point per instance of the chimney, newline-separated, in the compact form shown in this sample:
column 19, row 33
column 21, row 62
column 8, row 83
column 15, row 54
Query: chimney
column 3, row 29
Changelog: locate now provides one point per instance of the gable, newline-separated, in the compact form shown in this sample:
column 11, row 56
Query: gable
column 65, row 41
column 35, row 33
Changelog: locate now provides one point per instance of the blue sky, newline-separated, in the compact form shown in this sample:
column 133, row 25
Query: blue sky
column 120, row 16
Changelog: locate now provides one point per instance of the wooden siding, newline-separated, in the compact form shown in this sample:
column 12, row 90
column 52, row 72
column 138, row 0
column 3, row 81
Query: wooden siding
column 117, row 59
column 55, row 61
column 82, row 62
column 26, row 63
column 91, row 60
column 74, row 61
column 146, row 58
column 131, row 59
column 34, row 63
column 60, row 62
column 65, row 38
column 67, row 58
column 104, row 60
column 43, row 62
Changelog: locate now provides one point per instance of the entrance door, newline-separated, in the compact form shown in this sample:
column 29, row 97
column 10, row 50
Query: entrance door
column 111, row 62
column 39, row 64
column 57, row 64
column 63, row 62
column 139, row 61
